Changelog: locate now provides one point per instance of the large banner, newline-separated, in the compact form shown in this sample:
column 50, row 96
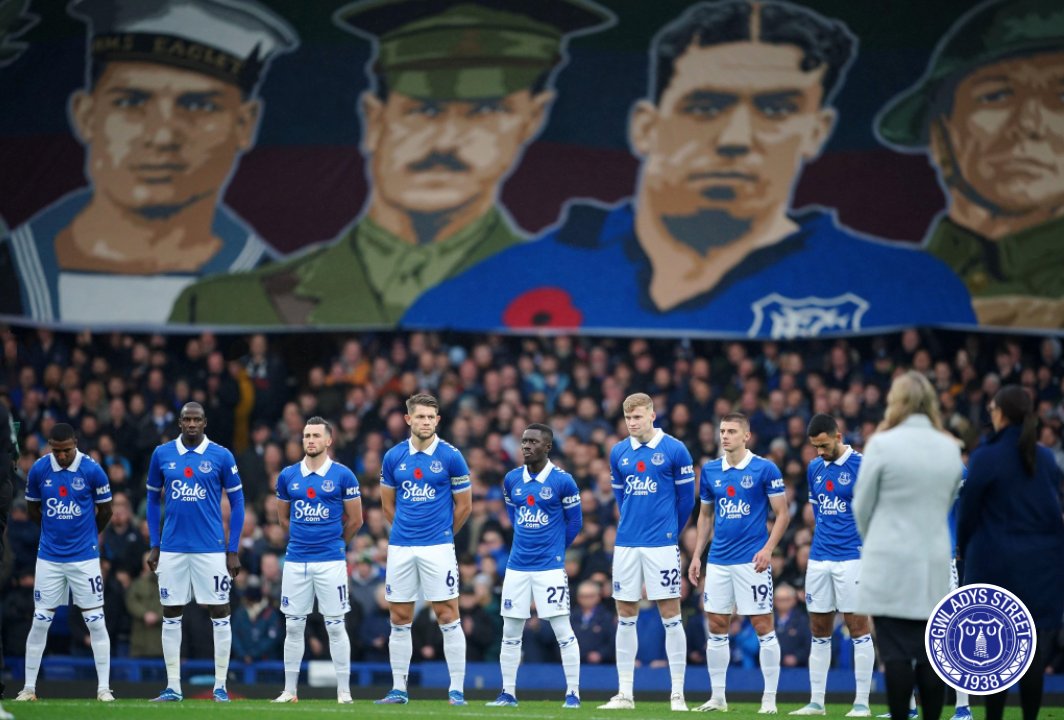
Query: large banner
column 720, row 168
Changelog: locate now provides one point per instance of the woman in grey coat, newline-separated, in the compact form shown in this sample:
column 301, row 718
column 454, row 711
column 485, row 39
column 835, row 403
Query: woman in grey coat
column 908, row 480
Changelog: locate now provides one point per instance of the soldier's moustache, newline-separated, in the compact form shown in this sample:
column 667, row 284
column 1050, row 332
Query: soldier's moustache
column 435, row 160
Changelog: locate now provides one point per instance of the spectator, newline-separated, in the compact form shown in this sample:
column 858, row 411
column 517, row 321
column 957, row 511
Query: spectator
column 1013, row 483
column 907, row 482
column 594, row 625
column 792, row 627
column 146, row 614
column 258, row 628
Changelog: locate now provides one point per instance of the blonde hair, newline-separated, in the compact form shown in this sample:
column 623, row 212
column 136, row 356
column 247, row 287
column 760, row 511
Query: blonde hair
column 911, row 394
column 638, row 400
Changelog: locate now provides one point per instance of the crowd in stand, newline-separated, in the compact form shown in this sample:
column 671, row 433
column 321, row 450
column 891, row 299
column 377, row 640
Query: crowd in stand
column 122, row 393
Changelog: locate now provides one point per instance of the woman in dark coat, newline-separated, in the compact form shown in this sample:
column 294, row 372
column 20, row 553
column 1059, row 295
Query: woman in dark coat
column 1010, row 532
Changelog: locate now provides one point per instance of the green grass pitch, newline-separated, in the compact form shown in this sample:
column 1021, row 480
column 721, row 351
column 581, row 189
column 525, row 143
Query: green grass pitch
column 363, row 709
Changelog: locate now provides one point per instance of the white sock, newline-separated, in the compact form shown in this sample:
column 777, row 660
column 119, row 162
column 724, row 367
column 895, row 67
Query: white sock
column 223, row 643
column 510, row 654
column 35, row 642
column 172, row 652
column 770, row 664
column 718, row 655
column 627, row 647
column 570, row 647
column 864, row 659
column 912, row 701
column 962, row 699
column 819, row 662
column 400, row 648
column 339, row 650
column 295, row 629
column 101, row 646
column 676, row 651
column 454, row 650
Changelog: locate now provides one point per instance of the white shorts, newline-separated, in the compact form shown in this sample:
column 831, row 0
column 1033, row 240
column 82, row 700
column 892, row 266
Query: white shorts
column 55, row 581
column 658, row 568
column 432, row 569
column 302, row 582
column 549, row 588
column 738, row 588
column 832, row 585
column 183, row 576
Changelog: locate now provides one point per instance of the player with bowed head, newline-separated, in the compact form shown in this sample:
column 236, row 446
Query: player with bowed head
column 425, row 495
column 736, row 492
column 834, row 572
column 543, row 503
column 69, row 496
column 320, row 506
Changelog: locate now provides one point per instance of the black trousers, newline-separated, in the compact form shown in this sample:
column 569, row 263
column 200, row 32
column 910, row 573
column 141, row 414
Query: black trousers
column 901, row 648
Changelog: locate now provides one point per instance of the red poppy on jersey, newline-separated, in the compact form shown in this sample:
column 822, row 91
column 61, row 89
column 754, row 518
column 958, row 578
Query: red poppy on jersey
column 731, row 491
column 311, row 494
column 829, row 486
column 417, row 473
column 188, row 472
column 531, row 500
column 62, row 491
column 640, row 466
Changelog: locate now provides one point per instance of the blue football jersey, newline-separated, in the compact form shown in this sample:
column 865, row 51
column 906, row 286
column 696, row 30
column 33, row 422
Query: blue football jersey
column 739, row 496
column 317, row 507
column 650, row 478
column 424, row 482
column 541, row 506
column 68, row 498
column 831, row 495
column 191, row 481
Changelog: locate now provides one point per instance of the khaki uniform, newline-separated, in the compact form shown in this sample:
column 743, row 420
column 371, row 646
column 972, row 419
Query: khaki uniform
column 1015, row 280
column 368, row 277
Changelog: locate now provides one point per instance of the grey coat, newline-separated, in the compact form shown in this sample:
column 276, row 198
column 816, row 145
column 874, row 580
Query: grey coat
column 908, row 481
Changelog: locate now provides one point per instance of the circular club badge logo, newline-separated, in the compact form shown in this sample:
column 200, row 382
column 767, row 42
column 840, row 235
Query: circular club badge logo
column 980, row 639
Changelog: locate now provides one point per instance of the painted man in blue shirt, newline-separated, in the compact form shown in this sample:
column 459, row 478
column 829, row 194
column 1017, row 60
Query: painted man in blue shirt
column 320, row 506
column 740, row 100
column 425, row 495
column 543, row 503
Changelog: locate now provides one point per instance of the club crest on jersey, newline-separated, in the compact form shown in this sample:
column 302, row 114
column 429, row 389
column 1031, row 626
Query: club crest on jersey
column 747, row 481
column 164, row 593
column 616, row 586
column 787, row 318
column 284, row 601
column 327, row 485
column 507, row 604
column 36, row 595
column 436, row 466
column 78, row 483
column 546, row 493
column 845, row 478
column 205, row 466
column 387, row 589
column 657, row 458
column 980, row 639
